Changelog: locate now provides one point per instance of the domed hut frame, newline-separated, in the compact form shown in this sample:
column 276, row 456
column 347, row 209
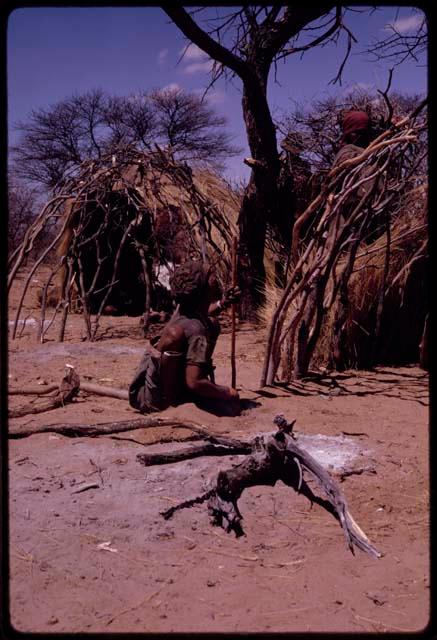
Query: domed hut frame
column 107, row 237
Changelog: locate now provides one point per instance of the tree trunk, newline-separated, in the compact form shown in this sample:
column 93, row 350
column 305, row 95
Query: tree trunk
column 259, row 47
column 259, row 206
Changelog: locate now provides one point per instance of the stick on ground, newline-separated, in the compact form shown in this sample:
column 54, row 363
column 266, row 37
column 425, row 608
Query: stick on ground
column 107, row 428
column 68, row 389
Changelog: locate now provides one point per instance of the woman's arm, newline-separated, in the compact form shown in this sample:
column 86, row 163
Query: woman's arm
column 232, row 295
column 172, row 339
column 201, row 386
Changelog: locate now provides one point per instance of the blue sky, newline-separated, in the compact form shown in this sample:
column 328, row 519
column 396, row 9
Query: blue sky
column 55, row 52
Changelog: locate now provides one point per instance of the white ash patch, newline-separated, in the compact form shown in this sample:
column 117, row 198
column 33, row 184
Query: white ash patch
column 82, row 349
column 333, row 452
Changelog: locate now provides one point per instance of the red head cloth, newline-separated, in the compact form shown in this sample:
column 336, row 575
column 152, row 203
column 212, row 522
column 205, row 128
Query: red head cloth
column 355, row 121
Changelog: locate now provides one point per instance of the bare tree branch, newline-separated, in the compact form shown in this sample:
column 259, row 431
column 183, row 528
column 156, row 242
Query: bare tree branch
column 214, row 49
column 337, row 22
column 399, row 47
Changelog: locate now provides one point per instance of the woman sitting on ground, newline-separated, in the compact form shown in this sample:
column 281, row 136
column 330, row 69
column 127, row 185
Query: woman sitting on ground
column 179, row 367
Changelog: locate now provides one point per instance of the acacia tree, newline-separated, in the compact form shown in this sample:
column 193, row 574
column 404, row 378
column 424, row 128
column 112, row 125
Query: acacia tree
column 246, row 43
column 191, row 129
column 58, row 139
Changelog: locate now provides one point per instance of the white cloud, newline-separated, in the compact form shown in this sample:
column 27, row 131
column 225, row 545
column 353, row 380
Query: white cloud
column 173, row 86
column 162, row 56
column 195, row 67
column 404, row 25
column 197, row 60
column 193, row 52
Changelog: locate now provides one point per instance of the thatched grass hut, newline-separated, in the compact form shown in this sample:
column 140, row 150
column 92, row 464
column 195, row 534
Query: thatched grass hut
column 121, row 219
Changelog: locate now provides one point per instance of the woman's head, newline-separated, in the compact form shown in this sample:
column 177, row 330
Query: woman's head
column 356, row 128
column 193, row 285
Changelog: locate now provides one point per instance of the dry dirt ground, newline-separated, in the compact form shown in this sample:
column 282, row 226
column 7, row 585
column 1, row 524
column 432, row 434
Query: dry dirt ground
column 104, row 560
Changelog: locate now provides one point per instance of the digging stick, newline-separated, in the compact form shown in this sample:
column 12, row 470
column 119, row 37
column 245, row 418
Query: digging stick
column 233, row 311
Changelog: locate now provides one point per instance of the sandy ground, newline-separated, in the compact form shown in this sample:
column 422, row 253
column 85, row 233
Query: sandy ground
column 104, row 560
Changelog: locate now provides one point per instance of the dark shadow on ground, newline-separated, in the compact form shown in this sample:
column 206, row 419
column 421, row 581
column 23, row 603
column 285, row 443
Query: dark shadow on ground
column 405, row 386
column 222, row 409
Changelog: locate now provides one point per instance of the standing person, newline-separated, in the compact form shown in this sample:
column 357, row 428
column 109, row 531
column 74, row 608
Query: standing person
column 356, row 135
column 178, row 368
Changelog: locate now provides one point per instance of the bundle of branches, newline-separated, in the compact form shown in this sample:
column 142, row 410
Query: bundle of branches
column 356, row 203
column 106, row 241
column 383, row 322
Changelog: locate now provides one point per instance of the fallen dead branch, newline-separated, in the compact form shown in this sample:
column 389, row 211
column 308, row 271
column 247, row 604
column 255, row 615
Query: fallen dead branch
column 272, row 457
column 192, row 452
column 64, row 394
column 102, row 429
column 161, row 440
column 100, row 390
column 68, row 389
column 357, row 472
column 33, row 391
column 89, row 387
column 85, row 487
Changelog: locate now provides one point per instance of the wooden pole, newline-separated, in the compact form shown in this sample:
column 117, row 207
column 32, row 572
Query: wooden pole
column 233, row 316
